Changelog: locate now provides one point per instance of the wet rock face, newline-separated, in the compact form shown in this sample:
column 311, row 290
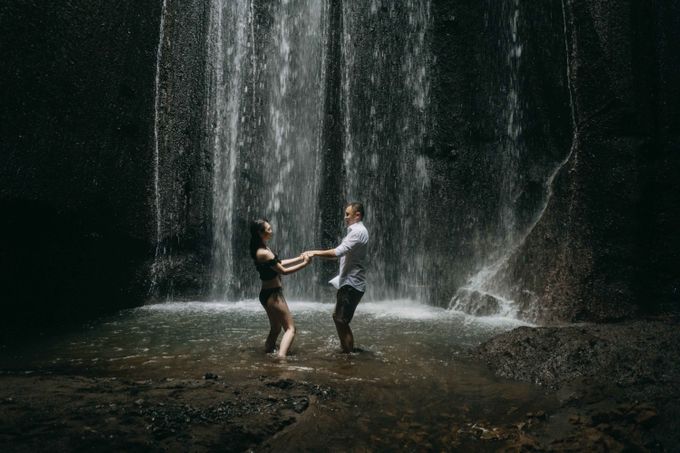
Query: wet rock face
column 75, row 157
column 603, row 250
column 184, row 164
column 482, row 304
column 477, row 87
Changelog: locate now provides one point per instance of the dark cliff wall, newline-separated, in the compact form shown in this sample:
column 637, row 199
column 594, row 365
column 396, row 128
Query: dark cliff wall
column 332, row 143
column 471, row 83
column 76, row 111
column 607, row 246
column 181, row 269
column 658, row 247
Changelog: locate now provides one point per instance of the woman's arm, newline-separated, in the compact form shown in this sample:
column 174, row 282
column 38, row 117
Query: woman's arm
column 289, row 270
column 264, row 255
column 290, row 261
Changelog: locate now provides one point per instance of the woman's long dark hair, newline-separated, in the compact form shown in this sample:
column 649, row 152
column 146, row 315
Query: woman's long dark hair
column 256, row 242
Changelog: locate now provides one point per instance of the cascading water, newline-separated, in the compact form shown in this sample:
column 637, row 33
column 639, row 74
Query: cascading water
column 491, row 291
column 264, row 115
column 227, row 51
column 159, row 251
column 386, row 96
column 290, row 162
column 480, row 296
column 511, row 148
column 311, row 104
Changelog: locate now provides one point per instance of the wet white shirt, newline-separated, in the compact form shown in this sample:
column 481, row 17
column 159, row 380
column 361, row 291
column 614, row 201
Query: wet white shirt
column 352, row 254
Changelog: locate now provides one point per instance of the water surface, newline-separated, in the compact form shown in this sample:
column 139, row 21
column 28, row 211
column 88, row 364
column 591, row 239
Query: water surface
column 398, row 340
column 410, row 376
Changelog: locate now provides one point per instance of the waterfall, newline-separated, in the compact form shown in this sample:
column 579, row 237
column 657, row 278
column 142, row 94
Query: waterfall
column 227, row 50
column 292, row 146
column 511, row 147
column 310, row 104
column 386, row 98
column 480, row 296
column 490, row 291
column 264, row 114
column 159, row 251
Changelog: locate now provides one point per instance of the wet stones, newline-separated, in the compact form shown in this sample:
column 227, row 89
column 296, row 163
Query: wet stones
column 476, row 303
column 282, row 384
column 164, row 415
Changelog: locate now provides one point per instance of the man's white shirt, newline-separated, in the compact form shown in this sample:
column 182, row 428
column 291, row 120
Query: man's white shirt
column 352, row 253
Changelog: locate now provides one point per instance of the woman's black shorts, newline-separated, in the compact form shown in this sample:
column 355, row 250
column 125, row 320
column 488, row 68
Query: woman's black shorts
column 265, row 294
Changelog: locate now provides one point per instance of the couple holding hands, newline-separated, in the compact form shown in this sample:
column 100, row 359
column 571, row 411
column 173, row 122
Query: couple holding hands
column 350, row 282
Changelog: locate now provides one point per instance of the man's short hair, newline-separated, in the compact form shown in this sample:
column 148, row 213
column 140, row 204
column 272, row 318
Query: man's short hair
column 357, row 207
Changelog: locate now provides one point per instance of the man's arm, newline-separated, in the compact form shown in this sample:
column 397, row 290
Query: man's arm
column 347, row 244
column 330, row 253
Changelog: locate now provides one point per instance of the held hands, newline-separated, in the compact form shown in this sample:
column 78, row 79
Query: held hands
column 305, row 257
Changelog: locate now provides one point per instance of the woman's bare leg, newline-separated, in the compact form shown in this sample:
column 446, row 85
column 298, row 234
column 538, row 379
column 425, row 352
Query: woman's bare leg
column 277, row 308
column 274, row 330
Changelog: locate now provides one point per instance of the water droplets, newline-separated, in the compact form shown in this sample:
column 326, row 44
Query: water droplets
column 386, row 94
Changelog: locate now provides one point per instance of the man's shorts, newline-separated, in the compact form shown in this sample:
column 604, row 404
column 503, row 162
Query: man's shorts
column 347, row 300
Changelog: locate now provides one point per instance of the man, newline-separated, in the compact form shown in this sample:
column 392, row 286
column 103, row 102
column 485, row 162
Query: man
column 351, row 281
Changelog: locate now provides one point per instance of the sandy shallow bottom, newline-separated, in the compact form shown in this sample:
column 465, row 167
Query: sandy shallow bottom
column 192, row 377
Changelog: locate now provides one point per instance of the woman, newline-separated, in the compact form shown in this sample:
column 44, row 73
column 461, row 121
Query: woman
column 270, row 268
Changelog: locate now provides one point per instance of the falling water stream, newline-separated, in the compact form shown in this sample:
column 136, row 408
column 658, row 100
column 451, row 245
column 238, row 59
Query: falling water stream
column 490, row 291
column 158, row 252
column 227, row 57
column 386, row 95
column 265, row 101
column 266, row 89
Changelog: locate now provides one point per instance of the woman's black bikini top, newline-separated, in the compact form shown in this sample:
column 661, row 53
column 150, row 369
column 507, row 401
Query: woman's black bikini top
column 265, row 269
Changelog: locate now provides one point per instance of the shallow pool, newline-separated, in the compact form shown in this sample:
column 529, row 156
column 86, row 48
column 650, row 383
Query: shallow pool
column 412, row 380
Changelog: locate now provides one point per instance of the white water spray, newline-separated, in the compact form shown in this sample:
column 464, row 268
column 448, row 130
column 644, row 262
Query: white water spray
column 487, row 292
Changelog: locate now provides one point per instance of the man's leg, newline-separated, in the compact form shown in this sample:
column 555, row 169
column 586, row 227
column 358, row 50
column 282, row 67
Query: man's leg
column 345, row 335
column 347, row 300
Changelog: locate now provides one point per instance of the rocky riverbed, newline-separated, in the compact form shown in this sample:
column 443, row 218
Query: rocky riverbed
column 75, row 413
